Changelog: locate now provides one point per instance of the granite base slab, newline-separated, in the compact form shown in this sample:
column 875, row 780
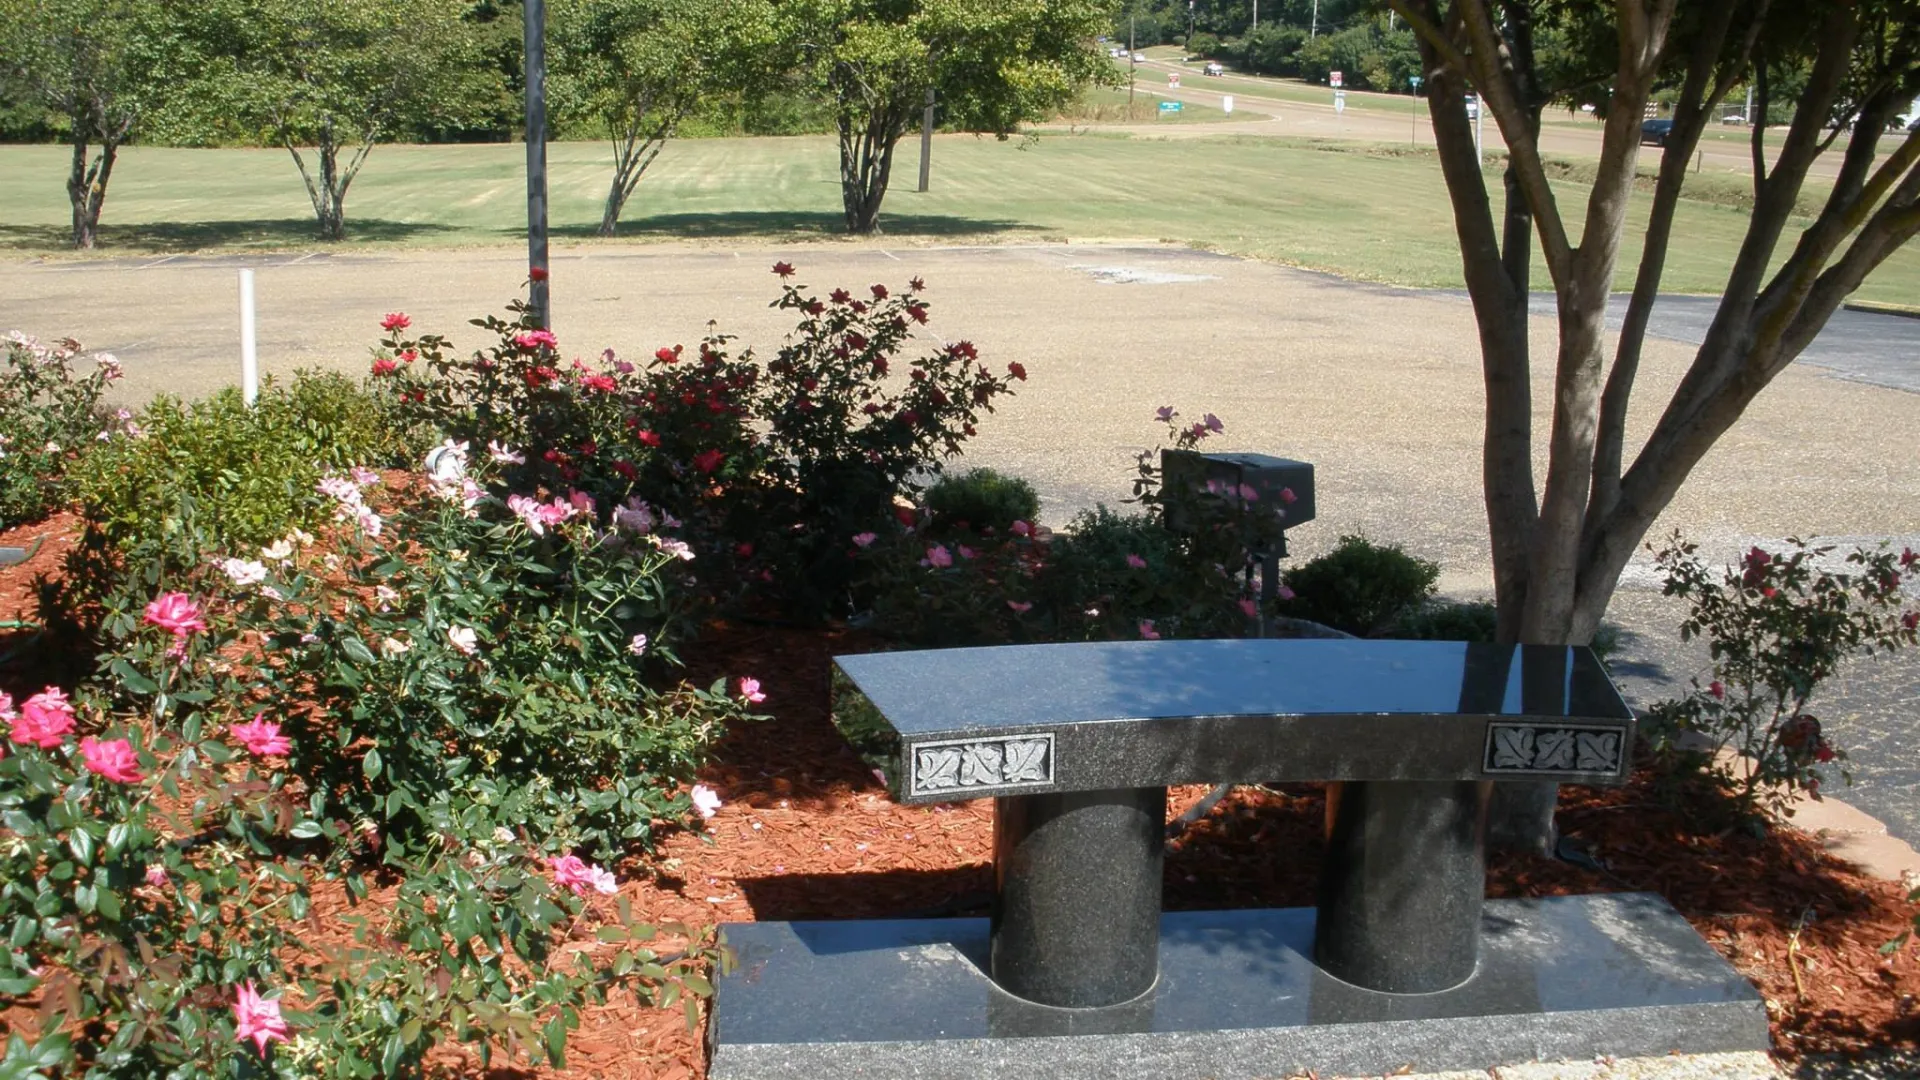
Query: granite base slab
column 1620, row 975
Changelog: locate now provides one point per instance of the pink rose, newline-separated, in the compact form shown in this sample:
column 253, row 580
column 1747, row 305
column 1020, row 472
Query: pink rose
column 1021, row 528
column 939, row 557
column 113, row 759
column 1136, row 562
column 1020, row 607
column 534, row 340
column 44, row 720
column 865, row 539
column 395, row 320
column 257, row 1018
column 1147, row 632
column 1248, row 607
column 750, row 689
column 261, row 737
column 177, row 614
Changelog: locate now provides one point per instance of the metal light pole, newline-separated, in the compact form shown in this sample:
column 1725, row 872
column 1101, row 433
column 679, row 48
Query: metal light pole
column 926, row 142
column 1130, row 66
column 1313, row 24
column 536, row 72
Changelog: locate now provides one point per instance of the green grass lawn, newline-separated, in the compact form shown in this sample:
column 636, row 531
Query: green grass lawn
column 1375, row 214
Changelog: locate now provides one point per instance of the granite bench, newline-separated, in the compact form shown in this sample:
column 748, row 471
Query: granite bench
column 1077, row 744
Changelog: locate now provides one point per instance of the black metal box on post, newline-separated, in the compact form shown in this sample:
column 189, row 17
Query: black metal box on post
column 1278, row 486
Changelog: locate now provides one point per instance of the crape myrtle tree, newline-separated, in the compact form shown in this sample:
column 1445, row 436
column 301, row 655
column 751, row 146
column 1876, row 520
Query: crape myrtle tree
column 991, row 64
column 637, row 68
column 1559, row 548
column 98, row 65
column 328, row 79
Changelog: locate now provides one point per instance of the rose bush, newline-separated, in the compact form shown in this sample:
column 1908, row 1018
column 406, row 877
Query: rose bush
column 50, row 416
column 769, row 466
column 1777, row 626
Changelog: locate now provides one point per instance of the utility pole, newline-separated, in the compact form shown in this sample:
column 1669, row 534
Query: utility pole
column 536, row 73
column 926, row 142
column 1130, row 48
column 1256, row 14
column 1313, row 24
column 1750, row 106
column 1189, row 43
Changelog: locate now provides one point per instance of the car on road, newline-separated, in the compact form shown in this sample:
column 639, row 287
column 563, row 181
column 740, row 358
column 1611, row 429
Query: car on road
column 1214, row 67
column 1655, row 132
column 1139, row 56
column 1473, row 106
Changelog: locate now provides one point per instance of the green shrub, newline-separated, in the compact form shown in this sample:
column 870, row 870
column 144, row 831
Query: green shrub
column 981, row 499
column 1203, row 44
column 1359, row 586
column 1114, row 576
column 217, row 471
column 1449, row 620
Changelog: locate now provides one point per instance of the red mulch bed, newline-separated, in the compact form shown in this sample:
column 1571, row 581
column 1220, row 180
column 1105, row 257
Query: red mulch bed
column 807, row 833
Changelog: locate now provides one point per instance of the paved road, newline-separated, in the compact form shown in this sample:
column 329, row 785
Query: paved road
column 1379, row 387
column 1881, row 350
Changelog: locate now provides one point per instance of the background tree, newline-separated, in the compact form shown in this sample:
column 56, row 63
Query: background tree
column 339, row 76
column 637, row 68
column 95, row 65
column 992, row 65
column 1558, row 550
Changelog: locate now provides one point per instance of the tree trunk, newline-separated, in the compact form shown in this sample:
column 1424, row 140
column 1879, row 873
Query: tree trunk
column 87, row 182
column 632, row 153
column 866, row 162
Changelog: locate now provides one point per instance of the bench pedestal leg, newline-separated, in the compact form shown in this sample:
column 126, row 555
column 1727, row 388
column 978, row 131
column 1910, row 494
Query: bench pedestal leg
column 1076, row 916
column 1403, row 886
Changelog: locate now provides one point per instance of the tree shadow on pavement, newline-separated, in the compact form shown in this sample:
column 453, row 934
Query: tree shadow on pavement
column 775, row 224
column 176, row 237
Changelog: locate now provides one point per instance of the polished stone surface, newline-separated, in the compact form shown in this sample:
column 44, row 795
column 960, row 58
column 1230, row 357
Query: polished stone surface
column 1571, row 977
column 1403, row 884
column 954, row 724
column 1076, row 912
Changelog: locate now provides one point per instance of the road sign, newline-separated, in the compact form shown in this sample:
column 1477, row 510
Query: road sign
column 1169, row 106
column 1339, row 101
column 1414, row 81
column 1226, row 103
column 1173, row 80
column 1333, row 78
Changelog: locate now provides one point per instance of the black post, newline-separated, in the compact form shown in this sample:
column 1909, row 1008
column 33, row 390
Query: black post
column 1076, row 915
column 536, row 73
column 926, row 142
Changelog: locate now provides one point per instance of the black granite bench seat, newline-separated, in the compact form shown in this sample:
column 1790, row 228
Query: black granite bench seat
column 951, row 724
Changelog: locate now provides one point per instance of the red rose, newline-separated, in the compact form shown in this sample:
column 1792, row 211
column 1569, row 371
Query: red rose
column 916, row 284
column 384, row 366
column 815, row 308
column 395, row 320
column 708, row 460
column 666, row 355
column 626, row 469
column 918, row 312
column 647, row 438
column 879, row 292
column 1017, row 371
column 537, row 273
column 783, row 269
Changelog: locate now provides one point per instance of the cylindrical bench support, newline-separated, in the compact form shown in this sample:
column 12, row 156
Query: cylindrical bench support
column 1403, row 884
column 1076, row 916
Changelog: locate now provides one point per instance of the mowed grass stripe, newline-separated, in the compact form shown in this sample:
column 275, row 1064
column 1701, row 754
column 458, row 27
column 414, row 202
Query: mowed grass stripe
column 1337, row 207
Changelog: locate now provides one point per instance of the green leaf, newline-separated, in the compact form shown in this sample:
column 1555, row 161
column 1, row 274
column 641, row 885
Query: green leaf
column 132, row 679
column 305, row 830
column 370, row 765
column 390, row 1057
column 356, row 650
column 80, row 842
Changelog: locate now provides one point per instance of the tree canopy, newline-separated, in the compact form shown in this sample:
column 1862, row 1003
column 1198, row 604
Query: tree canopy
column 337, row 75
column 635, row 69
column 989, row 64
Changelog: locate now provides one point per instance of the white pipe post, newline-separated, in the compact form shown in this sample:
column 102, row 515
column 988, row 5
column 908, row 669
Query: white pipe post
column 249, row 361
